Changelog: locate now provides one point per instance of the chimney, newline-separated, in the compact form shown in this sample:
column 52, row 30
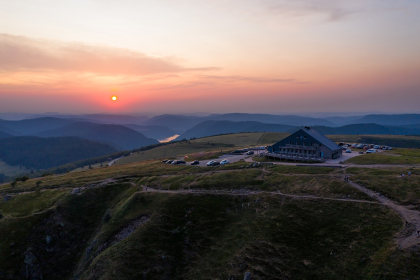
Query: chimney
column 307, row 127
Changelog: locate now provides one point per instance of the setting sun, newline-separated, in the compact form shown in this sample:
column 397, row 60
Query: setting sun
column 114, row 98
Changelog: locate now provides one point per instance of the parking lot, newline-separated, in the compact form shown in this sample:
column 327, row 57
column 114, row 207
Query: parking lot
column 236, row 157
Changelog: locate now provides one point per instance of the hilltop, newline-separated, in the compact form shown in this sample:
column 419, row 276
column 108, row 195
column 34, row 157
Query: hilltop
column 274, row 222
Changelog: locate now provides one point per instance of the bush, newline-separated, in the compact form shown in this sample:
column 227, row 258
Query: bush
column 24, row 178
column 38, row 183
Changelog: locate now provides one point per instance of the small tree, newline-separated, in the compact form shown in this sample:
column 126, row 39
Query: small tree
column 13, row 184
column 24, row 178
column 38, row 183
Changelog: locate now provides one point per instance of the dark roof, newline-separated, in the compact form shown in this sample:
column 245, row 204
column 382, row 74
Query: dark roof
column 321, row 138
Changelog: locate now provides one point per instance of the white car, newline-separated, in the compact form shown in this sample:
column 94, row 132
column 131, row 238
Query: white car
column 371, row 151
column 223, row 162
column 210, row 163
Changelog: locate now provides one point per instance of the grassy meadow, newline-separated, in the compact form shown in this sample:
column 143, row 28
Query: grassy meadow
column 399, row 156
column 277, row 222
column 197, row 236
column 9, row 170
column 199, row 148
column 387, row 181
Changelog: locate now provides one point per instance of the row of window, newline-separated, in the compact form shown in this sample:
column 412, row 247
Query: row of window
column 303, row 144
column 296, row 151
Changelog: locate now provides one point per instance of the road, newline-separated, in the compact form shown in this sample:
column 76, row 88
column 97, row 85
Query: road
column 114, row 160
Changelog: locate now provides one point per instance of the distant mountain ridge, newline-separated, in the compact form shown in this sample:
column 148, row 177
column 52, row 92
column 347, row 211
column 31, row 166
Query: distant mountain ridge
column 181, row 124
column 33, row 126
column 152, row 131
column 366, row 129
column 398, row 119
column 118, row 136
column 209, row 128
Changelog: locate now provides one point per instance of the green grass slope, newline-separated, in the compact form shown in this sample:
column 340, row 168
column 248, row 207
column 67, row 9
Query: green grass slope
column 227, row 142
column 99, row 224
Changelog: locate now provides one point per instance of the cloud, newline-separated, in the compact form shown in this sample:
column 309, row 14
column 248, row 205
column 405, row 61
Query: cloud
column 231, row 79
column 19, row 53
column 332, row 9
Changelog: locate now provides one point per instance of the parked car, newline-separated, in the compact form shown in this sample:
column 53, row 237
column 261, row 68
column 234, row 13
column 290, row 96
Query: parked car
column 237, row 152
column 360, row 146
column 178, row 162
column 195, row 162
column 370, row 151
column 250, row 153
column 213, row 163
column 376, row 147
column 223, row 162
column 164, row 161
column 348, row 151
column 366, row 148
column 169, row 161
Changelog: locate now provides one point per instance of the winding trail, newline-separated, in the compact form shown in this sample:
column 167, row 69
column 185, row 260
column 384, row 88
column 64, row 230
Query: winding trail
column 408, row 236
column 246, row 193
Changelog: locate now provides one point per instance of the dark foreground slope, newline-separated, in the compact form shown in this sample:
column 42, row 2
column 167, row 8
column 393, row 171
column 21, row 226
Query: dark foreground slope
column 120, row 137
column 39, row 153
column 101, row 224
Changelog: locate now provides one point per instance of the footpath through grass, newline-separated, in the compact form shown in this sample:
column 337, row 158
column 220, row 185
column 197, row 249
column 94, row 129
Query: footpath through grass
column 388, row 181
column 115, row 232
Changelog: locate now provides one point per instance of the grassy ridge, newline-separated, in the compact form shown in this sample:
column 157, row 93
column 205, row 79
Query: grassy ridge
column 404, row 190
column 213, row 144
column 399, row 157
column 197, row 237
column 59, row 235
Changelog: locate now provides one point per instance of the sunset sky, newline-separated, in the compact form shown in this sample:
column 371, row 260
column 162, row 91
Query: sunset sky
column 189, row 56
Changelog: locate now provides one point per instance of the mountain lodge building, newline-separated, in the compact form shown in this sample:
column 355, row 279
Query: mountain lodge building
column 307, row 143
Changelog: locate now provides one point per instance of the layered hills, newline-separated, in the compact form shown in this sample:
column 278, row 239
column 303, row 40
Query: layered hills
column 120, row 137
column 40, row 153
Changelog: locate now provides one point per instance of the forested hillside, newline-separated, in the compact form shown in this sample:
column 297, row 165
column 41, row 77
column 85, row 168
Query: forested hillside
column 4, row 134
column 118, row 136
column 39, row 153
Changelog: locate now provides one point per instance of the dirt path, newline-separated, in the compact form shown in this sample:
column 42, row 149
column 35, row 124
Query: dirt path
column 246, row 193
column 408, row 236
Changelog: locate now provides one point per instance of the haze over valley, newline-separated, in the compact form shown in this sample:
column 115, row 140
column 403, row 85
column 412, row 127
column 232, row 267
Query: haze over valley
column 232, row 140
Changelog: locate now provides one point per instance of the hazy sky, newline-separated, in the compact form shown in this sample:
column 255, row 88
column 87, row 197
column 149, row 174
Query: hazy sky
column 185, row 56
